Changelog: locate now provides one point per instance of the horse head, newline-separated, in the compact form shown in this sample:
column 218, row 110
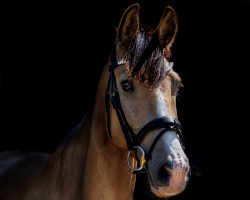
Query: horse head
column 143, row 117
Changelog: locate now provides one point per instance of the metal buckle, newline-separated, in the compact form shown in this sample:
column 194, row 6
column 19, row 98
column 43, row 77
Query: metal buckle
column 142, row 158
column 110, row 94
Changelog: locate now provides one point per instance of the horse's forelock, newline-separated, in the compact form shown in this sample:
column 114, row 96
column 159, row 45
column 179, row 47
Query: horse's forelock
column 145, row 58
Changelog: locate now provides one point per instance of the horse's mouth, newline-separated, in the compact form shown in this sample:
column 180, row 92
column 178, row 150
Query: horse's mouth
column 154, row 188
column 173, row 188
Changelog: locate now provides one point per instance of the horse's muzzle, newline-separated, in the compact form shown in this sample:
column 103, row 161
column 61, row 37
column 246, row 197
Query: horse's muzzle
column 168, row 169
column 170, row 182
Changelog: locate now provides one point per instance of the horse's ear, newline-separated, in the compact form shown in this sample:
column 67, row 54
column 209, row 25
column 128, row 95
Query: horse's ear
column 168, row 27
column 129, row 25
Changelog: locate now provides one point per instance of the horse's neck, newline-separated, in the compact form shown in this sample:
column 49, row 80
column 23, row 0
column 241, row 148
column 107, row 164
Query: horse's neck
column 87, row 165
column 62, row 177
column 107, row 175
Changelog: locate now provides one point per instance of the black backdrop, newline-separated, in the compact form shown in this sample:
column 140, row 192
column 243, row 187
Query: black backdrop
column 52, row 55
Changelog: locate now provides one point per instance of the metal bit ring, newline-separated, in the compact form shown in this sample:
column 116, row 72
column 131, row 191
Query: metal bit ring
column 142, row 158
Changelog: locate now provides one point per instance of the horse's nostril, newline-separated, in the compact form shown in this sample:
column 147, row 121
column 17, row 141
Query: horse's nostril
column 165, row 173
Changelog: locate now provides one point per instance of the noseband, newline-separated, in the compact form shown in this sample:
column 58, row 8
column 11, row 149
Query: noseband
column 167, row 123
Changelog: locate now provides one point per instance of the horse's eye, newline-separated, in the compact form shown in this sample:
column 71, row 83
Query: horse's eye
column 127, row 85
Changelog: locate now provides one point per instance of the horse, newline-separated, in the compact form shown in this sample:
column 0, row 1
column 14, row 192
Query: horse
column 131, row 128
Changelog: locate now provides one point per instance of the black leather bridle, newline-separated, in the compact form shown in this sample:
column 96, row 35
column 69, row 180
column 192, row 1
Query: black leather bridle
column 167, row 123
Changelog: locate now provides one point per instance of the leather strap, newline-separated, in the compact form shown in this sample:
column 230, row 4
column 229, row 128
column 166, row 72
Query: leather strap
column 161, row 122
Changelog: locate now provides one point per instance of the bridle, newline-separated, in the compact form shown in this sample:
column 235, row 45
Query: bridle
column 167, row 123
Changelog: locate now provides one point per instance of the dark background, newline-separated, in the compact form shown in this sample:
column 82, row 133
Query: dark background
column 52, row 55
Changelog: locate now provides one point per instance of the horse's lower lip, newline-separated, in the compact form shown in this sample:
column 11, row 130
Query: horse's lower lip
column 161, row 191
column 157, row 193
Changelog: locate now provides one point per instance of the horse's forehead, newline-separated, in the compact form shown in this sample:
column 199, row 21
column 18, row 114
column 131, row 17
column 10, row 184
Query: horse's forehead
column 122, row 73
column 171, row 77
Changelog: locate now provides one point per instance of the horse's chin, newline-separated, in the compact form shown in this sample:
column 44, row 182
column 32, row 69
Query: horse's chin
column 165, row 191
column 157, row 192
